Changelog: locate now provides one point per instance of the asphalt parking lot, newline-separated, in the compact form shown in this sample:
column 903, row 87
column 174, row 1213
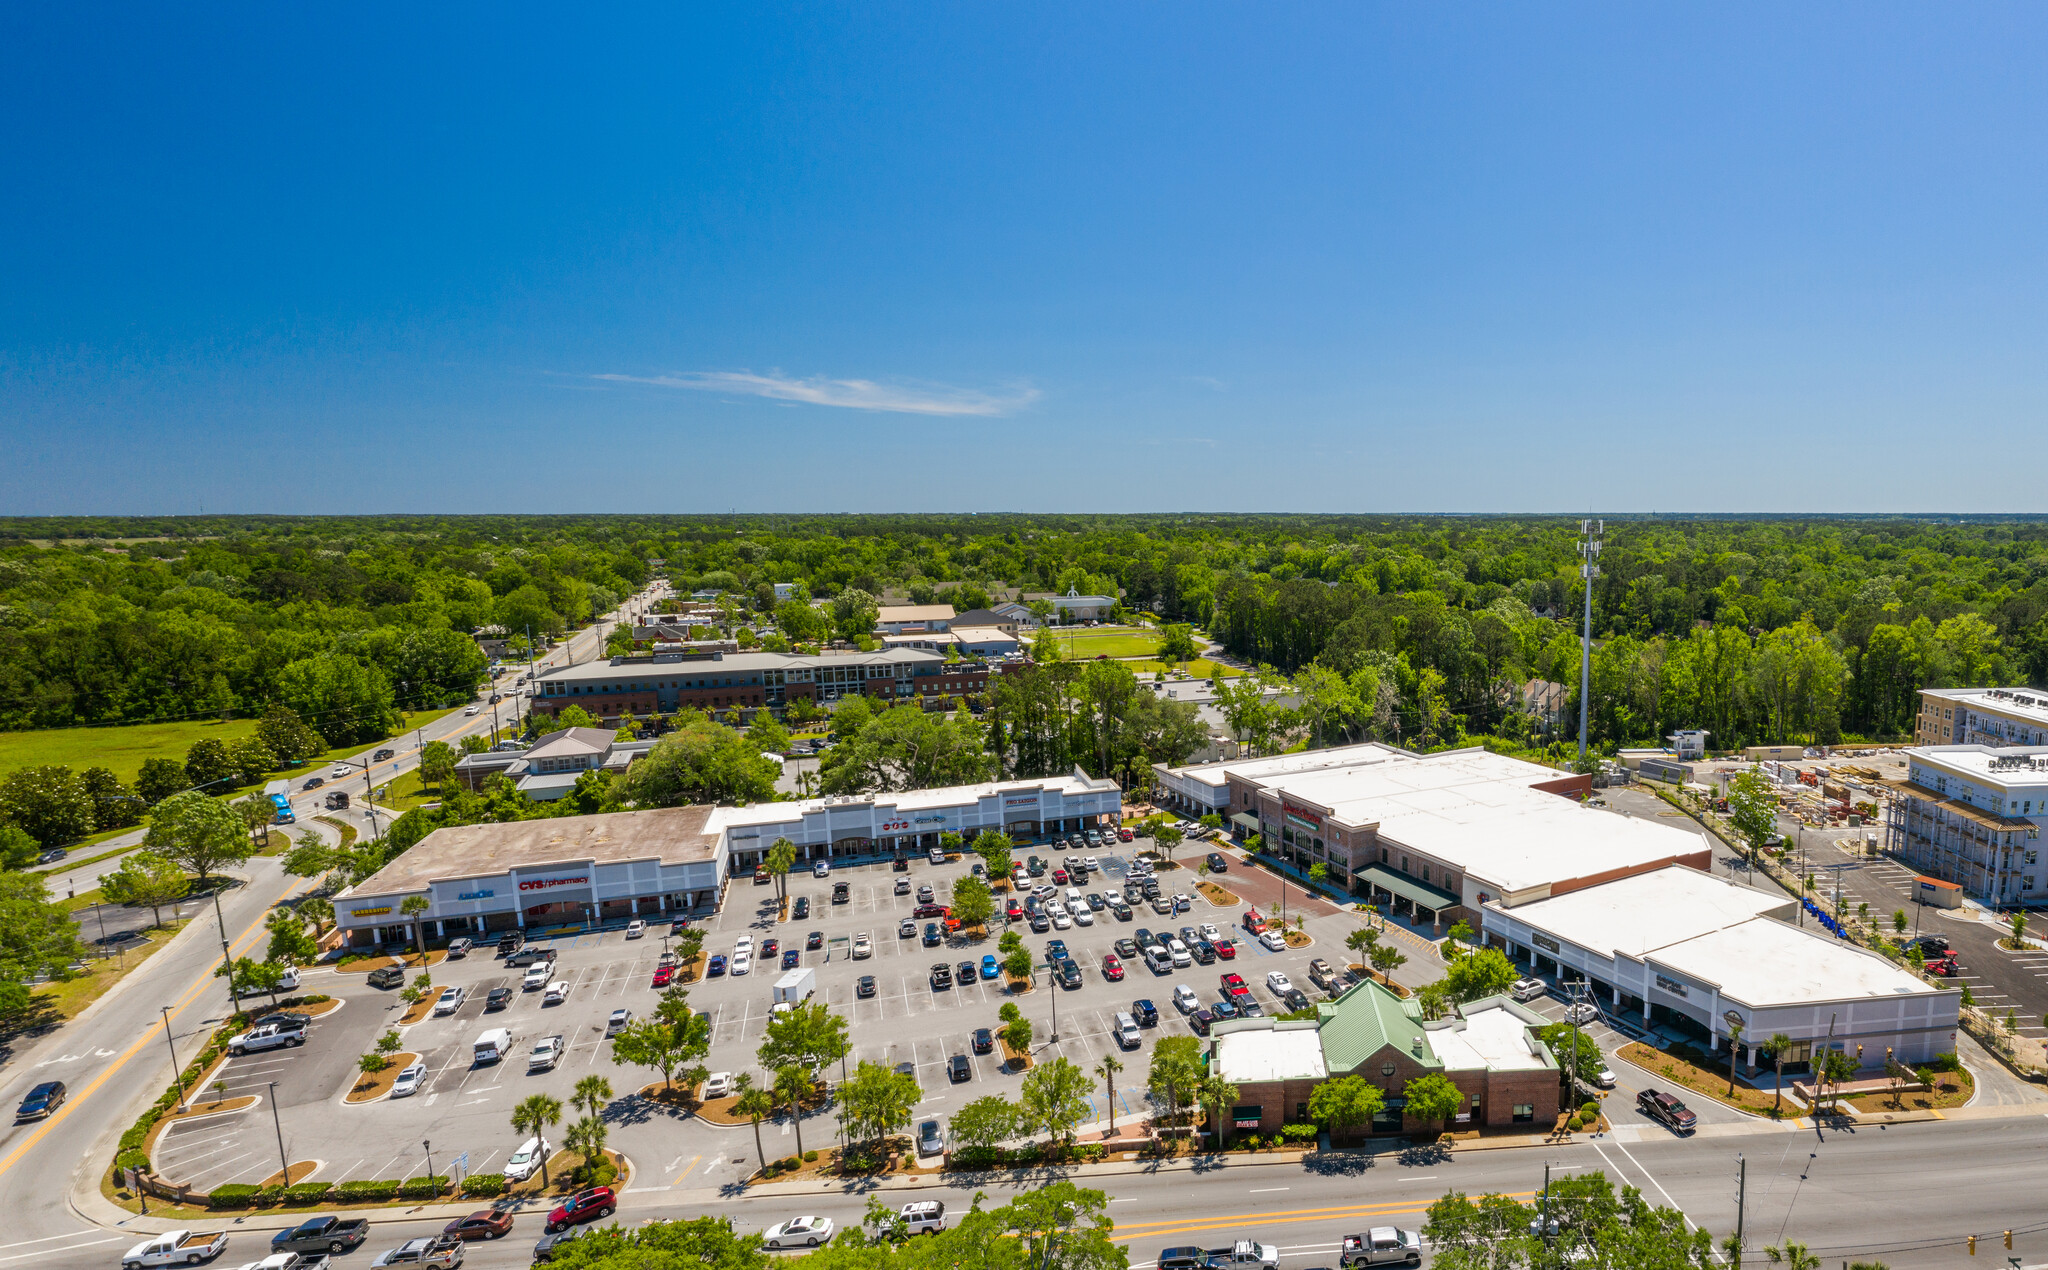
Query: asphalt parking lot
column 462, row 1108
column 947, row 1018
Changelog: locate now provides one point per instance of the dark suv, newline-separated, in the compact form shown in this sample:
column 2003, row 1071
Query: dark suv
column 387, row 977
column 1662, row 1106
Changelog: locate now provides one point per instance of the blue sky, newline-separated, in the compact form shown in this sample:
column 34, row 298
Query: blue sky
column 1123, row 257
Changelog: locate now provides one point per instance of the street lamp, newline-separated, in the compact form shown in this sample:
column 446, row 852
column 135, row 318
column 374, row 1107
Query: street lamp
column 227, row 958
column 429, row 1147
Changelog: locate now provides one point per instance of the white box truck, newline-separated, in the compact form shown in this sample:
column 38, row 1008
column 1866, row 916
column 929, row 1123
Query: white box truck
column 493, row 1045
column 795, row 986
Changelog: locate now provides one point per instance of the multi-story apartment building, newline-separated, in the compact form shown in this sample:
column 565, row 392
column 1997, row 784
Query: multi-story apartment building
column 659, row 684
column 1972, row 815
column 1982, row 716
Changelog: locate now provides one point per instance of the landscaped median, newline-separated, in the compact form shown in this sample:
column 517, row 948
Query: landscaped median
column 1687, row 1066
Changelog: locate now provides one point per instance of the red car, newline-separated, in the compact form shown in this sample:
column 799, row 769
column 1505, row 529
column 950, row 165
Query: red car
column 484, row 1223
column 1112, row 968
column 931, row 910
column 591, row 1205
column 1225, row 949
column 1059, row 877
column 1233, row 982
column 662, row 975
column 1015, row 912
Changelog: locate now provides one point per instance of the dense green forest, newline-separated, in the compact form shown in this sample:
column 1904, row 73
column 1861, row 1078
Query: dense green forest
column 1420, row 628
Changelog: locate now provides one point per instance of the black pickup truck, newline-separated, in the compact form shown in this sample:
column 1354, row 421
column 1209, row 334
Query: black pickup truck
column 321, row 1234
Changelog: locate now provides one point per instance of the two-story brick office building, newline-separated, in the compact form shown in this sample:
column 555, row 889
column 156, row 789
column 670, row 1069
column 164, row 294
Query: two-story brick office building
column 661, row 684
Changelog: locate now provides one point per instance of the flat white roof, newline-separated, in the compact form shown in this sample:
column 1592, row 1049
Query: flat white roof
column 1495, row 1039
column 1271, row 1053
column 1260, row 769
column 1072, row 786
column 1763, row 963
column 1482, row 812
column 2030, row 704
column 1636, row 915
column 2001, row 768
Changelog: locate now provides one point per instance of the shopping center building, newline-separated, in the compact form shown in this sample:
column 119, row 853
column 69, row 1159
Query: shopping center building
column 592, row 870
column 867, row 825
column 538, row 874
column 1687, row 952
column 1439, row 835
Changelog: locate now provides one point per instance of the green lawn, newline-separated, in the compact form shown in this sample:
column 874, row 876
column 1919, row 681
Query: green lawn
column 408, row 792
column 1200, row 668
column 123, row 749
column 1114, row 641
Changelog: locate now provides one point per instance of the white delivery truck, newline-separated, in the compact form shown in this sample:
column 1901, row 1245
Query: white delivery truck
column 795, row 987
column 493, row 1045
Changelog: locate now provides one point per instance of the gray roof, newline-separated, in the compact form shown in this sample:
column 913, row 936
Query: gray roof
column 571, row 741
column 676, row 835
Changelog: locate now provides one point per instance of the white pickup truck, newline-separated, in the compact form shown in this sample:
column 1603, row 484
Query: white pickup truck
column 268, row 1037
column 175, row 1248
column 1245, row 1252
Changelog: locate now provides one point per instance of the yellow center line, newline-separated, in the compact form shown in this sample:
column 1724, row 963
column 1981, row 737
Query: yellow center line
column 191, row 994
column 1291, row 1216
column 688, row 1169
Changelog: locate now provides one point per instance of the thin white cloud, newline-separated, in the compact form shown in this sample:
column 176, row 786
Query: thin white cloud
column 852, row 394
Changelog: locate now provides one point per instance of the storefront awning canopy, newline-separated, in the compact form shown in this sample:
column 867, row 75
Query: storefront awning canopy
column 1246, row 821
column 1415, row 892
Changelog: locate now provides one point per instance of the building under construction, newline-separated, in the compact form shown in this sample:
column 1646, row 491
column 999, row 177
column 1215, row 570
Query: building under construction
column 1972, row 815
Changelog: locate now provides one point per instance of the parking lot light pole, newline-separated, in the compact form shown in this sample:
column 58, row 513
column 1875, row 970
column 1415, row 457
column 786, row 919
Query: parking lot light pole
column 284, row 1163
column 428, row 1146
column 176, row 1075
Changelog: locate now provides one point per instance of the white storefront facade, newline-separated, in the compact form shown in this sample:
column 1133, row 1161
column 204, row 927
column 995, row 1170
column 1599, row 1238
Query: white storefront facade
column 878, row 825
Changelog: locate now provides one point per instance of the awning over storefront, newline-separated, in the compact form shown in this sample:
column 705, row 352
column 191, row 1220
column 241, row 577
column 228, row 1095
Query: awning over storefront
column 1410, row 889
column 1246, row 821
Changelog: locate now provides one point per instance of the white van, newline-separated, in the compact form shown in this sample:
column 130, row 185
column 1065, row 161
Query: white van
column 493, row 1045
column 1127, row 1031
column 926, row 1217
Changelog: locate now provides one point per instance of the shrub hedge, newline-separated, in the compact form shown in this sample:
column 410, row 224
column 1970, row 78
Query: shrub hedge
column 307, row 1192
column 368, row 1190
column 232, row 1196
column 485, row 1185
column 422, row 1187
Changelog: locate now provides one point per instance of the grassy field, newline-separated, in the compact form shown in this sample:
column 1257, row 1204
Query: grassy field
column 1115, row 642
column 408, row 792
column 123, row 749
column 1200, row 668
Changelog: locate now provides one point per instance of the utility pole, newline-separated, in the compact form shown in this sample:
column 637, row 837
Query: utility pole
column 1741, row 1194
column 1589, row 554
column 284, row 1163
column 1546, row 1204
column 176, row 1075
column 227, row 959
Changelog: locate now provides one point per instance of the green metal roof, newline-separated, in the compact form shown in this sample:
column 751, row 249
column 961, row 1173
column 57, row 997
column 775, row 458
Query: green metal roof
column 1414, row 890
column 1367, row 1019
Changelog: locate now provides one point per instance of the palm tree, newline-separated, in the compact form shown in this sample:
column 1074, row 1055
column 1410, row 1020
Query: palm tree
column 531, row 1118
column 1734, row 1041
column 587, row 1138
column 1779, row 1043
column 781, row 858
column 1215, row 1091
column 792, row 1085
column 413, row 906
column 1107, row 1069
column 592, row 1093
column 754, row 1104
